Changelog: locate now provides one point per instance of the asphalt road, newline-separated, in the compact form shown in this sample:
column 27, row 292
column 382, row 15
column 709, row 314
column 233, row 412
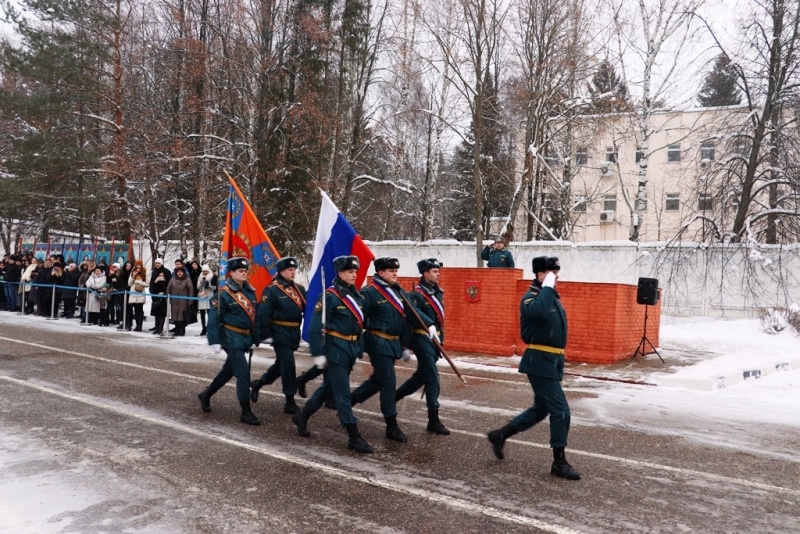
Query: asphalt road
column 102, row 432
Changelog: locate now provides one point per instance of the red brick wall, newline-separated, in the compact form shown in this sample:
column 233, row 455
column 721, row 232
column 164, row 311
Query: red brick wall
column 605, row 323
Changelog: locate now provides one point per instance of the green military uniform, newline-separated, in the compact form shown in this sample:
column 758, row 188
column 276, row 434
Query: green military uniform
column 497, row 258
column 232, row 324
column 543, row 323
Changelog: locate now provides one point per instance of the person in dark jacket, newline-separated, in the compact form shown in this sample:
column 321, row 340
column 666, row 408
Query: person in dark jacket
column 233, row 328
column 497, row 255
column 158, row 286
column 427, row 297
column 543, row 322
column 385, row 320
column 280, row 314
column 12, row 277
column 69, row 296
column 335, row 346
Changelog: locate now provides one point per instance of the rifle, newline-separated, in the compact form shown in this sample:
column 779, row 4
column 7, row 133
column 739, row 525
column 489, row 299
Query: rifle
column 435, row 340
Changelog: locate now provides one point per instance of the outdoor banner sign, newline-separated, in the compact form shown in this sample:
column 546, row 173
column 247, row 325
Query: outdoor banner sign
column 121, row 253
column 103, row 253
column 86, row 253
column 40, row 251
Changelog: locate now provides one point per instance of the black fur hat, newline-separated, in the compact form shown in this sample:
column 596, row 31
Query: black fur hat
column 286, row 263
column 345, row 263
column 426, row 265
column 541, row 264
column 238, row 263
column 381, row 264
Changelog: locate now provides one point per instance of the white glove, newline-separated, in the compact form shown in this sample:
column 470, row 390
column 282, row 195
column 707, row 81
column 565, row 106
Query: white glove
column 254, row 346
column 432, row 332
column 268, row 341
column 549, row 280
column 216, row 349
column 320, row 361
column 406, row 355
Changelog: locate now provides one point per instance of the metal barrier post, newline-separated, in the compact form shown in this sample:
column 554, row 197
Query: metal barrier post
column 125, row 310
column 53, row 303
column 166, row 320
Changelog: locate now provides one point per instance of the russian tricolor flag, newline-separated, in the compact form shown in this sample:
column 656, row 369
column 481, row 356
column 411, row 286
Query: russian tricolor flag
column 335, row 237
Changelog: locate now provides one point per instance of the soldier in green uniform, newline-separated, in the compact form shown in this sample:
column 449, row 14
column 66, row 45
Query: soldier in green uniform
column 497, row 254
column 335, row 346
column 428, row 298
column 279, row 316
column 544, row 327
column 232, row 327
column 385, row 319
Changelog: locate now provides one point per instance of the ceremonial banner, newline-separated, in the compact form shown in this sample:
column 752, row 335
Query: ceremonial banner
column 71, row 253
column 86, row 253
column 103, row 253
column 40, row 250
column 121, row 253
column 245, row 237
column 335, row 237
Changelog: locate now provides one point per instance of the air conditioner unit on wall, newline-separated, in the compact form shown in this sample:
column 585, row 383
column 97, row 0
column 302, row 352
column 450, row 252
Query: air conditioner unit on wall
column 607, row 216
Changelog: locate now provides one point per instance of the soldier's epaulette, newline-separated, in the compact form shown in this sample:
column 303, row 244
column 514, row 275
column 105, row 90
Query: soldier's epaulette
column 535, row 293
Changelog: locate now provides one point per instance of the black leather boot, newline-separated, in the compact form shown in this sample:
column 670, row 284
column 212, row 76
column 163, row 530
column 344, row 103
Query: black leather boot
column 248, row 417
column 290, row 407
column 561, row 467
column 436, row 426
column 355, row 441
column 498, row 439
column 301, row 385
column 393, row 431
column 300, row 419
column 205, row 400
column 255, row 385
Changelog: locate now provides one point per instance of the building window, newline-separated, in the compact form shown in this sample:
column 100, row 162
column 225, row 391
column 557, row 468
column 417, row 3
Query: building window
column 639, row 155
column 581, row 156
column 610, row 202
column 707, row 149
column 742, row 148
column 705, row 203
column 579, row 204
column 673, row 202
column 674, row 153
column 551, row 157
column 611, row 154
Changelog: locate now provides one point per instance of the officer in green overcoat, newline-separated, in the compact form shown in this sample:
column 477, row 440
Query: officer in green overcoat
column 543, row 322
column 428, row 298
column 335, row 347
column 280, row 314
column 233, row 328
column 385, row 320
column 497, row 254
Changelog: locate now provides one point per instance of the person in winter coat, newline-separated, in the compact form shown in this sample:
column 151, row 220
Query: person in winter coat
column 45, row 294
column 33, row 294
column 12, row 277
column 158, row 306
column 57, row 279
column 71, row 277
column 136, row 299
column 26, row 277
column 86, row 268
column 206, row 289
column 180, row 286
column 94, row 286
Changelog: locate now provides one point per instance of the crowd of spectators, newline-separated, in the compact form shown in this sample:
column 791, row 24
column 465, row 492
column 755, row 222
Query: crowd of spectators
column 103, row 295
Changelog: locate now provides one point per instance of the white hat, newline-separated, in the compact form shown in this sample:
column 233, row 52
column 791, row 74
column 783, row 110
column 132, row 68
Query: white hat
column 205, row 267
column 115, row 265
column 159, row 260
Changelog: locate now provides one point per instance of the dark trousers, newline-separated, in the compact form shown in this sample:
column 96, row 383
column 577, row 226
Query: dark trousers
column 69, row 307
column 426, row 375
column 383, row 380
column 336, row 386
column 159, row 326
column 11, row 295
column 135, row 312
column 235, row 365
column 548, row 399
column 283, row 367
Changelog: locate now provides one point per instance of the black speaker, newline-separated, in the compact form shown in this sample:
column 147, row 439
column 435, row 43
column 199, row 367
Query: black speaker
column 647, row 292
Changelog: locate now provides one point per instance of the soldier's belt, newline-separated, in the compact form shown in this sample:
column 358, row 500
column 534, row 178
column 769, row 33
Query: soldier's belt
column 422, row 332
column 285, row 323
column 342, row 336
column 545, row 348
column 384, row 335
column 236, row 329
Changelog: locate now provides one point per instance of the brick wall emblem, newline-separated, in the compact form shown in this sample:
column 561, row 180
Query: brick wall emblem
column 472, row 290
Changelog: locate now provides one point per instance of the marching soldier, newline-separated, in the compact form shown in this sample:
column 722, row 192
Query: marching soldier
column 279, row 315
column 427, row 297
column 232, row 327
column 544, row 328
column 385, row 320
column 335, row 346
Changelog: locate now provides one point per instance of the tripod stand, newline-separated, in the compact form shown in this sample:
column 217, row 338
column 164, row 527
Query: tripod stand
column 641, row 349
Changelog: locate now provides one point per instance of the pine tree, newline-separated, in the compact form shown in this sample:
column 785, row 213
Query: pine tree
column 609, row 91
column 719, row 87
